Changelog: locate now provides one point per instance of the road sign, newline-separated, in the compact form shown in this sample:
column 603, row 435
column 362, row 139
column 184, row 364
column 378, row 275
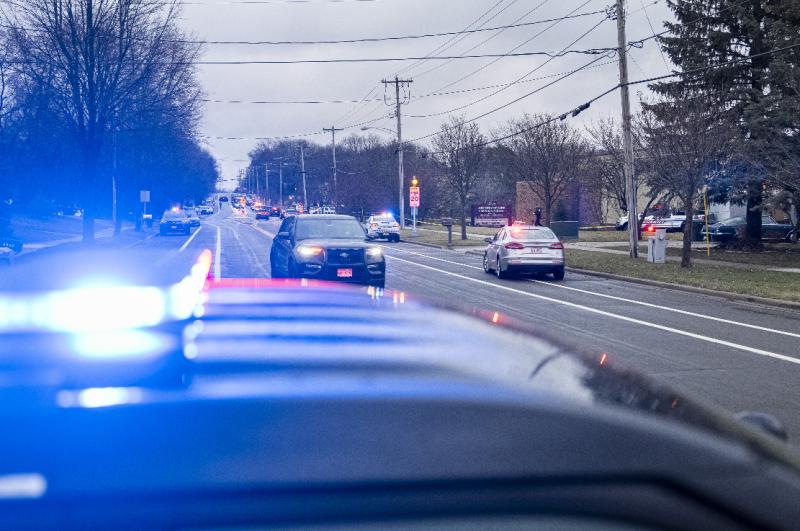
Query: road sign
column 413, row 197
column 144, row 196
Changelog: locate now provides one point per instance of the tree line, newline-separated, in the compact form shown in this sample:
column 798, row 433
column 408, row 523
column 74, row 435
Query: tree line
column 98, row 100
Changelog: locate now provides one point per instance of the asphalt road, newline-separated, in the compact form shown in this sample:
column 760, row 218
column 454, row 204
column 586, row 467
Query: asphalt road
column 738, row 355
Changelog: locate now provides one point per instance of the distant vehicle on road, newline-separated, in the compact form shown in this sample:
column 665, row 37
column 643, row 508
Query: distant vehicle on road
column 275, row 212
column 326, row 247
column 523, row 249
column 382, row 226
column 206, row 210
column 262, row 212
column 290, row 211
column 731, row 229
column 223, row 199
column 194, row 218
column 174, row 221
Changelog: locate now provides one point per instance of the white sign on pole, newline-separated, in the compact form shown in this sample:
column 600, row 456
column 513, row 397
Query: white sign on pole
column 413, row 197
column 144, row 196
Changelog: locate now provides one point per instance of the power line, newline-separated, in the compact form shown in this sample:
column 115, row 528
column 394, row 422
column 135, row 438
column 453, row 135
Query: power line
column 514, row 49
column 421, row 96
column 392, row 38
column 484, row 98
column 484, row 41
column 296, row 135
column 463, row 37
column 451, row 39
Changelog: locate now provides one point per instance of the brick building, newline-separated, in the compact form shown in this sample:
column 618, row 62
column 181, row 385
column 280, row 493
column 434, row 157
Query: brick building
column 577, row 203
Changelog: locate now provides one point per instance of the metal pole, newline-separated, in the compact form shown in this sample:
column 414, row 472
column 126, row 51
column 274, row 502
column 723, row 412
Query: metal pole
column 114, row 182
column 705, row 204
column 303, row 172
column 400, row 176
column 627, row 140
column 266, row 177
column 280, row 184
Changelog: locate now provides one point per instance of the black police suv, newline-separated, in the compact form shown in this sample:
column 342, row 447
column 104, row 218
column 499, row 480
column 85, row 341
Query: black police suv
column 326, row 247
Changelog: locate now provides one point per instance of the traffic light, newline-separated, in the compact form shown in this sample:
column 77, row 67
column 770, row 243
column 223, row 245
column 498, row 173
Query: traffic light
column 414, row 182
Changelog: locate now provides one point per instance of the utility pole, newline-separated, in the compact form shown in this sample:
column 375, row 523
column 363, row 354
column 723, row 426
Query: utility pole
column 280, row 184
column 397, row 82
column 627, row 140
column 266, row 178
column 303, row 173
column 332, row 130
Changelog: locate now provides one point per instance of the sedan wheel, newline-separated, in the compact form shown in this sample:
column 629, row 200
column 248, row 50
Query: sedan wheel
column 486, row 268
column 498, row 271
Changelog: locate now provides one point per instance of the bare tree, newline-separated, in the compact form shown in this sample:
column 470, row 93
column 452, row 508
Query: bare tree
column 104, row 61
column 460, row 151
column 685, row 140
column 547, row 154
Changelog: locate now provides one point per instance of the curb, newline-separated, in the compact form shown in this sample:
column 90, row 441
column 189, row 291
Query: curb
column 691, row 289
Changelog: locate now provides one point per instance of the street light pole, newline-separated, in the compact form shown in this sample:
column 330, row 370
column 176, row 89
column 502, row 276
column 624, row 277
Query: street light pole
column 303, row 172
column 280, row 184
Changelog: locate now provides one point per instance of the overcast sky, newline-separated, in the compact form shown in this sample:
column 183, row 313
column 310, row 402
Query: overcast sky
column 293, row 20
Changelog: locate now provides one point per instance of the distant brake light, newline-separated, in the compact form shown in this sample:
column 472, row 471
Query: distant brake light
column 514, row 245
column 557, row 245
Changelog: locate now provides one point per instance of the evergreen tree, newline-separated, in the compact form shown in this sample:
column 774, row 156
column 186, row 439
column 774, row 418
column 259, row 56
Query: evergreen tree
column 721, row 46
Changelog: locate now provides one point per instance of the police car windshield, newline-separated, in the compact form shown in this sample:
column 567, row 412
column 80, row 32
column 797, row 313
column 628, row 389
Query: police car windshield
column 329, row 229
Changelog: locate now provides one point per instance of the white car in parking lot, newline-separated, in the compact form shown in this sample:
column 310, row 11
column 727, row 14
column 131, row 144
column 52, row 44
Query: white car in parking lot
column 383, row 226
column 522, row 249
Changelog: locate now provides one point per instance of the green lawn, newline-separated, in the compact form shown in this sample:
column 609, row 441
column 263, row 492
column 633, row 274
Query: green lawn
column 777, row 255
column 436, row 238
column 754, row 282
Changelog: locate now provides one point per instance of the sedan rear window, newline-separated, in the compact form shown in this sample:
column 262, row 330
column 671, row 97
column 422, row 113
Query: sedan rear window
column 539, row 233
column 329, row 228
column 172, row 216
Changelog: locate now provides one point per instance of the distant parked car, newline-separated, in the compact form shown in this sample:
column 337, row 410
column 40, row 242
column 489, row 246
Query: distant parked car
column 731, row 229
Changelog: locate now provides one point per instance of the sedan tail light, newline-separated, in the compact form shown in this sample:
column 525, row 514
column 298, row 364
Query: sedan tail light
column 557, row 245
column 514, row 245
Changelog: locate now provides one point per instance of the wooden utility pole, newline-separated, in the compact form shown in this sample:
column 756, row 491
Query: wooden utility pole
column 627, row 139
column 397, row 82
column 332, row 130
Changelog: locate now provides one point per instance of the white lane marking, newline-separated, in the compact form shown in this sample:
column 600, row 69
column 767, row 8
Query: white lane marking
column 217, row 254
column 134, row 244
column 192, row 237
column 692, row 335
column 262, row 231
column 623, row 299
